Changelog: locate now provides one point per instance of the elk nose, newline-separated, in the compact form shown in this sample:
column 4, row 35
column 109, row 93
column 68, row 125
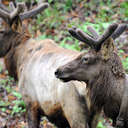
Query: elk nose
column 58, row 73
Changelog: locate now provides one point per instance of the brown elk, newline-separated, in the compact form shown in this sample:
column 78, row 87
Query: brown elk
column 33, row 64
column 101, row 69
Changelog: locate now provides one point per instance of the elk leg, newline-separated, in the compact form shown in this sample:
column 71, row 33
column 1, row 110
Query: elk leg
column 33, row 116
column 95, row 120
column 123, row 114
column 93, row 117
column 74, row 109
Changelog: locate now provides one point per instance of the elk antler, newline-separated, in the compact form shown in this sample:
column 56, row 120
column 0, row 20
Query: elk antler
column 120, row 29
column 106, row 35
column 34, row 11
column 8, row 17
column 93, row 32
column 73, row 32
column 93, row 42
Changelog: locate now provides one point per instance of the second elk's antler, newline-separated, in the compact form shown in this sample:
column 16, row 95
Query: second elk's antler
column 95, row 41
column 121, row 28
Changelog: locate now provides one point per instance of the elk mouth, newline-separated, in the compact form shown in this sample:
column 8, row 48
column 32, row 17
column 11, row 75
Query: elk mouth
column 65, row 79
column 60, row 75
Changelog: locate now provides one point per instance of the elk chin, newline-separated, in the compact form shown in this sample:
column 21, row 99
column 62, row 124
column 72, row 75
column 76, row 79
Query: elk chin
column 65, row 79
column 68, row 79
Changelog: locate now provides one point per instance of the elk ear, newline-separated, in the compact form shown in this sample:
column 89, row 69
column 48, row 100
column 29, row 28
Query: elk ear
column 17, row 25
column 107, row 48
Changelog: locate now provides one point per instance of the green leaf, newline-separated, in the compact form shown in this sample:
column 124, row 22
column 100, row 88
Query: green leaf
column 3, row 109
column 4, row 104
column 49, row 1
column 16, row 94
column 100, row 125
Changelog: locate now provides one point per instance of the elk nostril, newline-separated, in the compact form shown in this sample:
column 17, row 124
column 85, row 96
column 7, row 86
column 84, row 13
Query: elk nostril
column 58, row 73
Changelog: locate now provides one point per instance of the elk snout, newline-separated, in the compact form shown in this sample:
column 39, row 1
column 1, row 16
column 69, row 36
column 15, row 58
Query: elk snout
column 58, row 73
column 63, row 74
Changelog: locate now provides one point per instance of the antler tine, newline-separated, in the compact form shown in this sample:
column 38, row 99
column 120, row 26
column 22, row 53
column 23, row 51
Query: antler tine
column 121, row 28
column 17, row 10
column 87, row 39
column 7, row 16
column 73, row 32
column 34, row 11
column 93, row 32
column 106, row 35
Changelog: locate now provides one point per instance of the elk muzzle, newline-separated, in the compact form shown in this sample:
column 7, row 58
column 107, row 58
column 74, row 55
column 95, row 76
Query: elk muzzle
column 60, row 74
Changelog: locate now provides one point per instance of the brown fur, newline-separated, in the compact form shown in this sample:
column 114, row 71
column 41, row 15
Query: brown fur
column 106, row 81
column 102, row 90
column 11, row 58
column 33, row 63
column 68, row 110
column 33, row 114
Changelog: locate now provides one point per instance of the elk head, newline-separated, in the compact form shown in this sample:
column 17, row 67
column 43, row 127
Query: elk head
column 101, row 58
column 13, row 27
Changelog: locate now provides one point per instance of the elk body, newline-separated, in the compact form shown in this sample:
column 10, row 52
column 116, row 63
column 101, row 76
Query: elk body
column 33, row 64
column 101, row 69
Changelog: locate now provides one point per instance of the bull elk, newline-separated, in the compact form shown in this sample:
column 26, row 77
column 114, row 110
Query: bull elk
column 33, row 64
column 101, row 69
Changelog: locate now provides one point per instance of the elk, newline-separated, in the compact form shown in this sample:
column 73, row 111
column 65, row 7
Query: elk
column 33, row 64
column 101, row 69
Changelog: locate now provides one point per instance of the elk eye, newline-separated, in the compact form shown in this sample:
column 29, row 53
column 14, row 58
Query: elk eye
column 85, row 59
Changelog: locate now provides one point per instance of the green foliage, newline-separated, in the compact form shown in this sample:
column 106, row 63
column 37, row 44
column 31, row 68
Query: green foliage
column 74, row 46
column 46, row 16
column 124, row 60
column 99, row 27
column 1, row 68
column 49, row 1
column 4, row 104
column 125, row 64
column 16, row 94
column 18, row 105
column 42, row 37
column 100, row 125
column 68, row 4
column 124, row 8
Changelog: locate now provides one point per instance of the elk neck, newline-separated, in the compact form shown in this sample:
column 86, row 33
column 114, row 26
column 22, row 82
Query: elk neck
column 110, row 78
column 13, row 59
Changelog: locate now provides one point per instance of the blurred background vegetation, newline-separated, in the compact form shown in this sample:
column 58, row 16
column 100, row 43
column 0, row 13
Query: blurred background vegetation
column 54, row 23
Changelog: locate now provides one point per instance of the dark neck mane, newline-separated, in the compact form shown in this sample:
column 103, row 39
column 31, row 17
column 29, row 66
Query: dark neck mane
column 116, row 66
column 101, row 87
